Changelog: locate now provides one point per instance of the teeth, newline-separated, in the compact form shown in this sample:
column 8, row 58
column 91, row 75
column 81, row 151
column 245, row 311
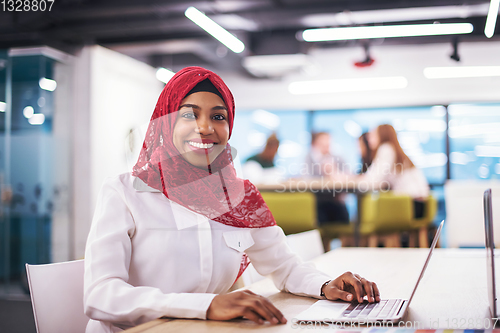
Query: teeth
column 201, row 145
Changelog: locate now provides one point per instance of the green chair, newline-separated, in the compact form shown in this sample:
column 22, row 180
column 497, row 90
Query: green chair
column 421, row 225
column 294, row 212
column 384, row 216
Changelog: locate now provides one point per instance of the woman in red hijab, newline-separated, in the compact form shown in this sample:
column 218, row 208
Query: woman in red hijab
column 170, row 238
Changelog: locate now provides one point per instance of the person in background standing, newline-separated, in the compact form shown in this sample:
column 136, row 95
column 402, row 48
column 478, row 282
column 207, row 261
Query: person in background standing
column 320, row 162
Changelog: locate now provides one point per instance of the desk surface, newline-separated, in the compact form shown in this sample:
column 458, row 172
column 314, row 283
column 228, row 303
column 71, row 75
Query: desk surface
column 452, row 293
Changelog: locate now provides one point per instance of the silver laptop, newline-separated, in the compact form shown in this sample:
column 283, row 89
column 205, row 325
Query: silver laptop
column 490, row 252
column 390, row 310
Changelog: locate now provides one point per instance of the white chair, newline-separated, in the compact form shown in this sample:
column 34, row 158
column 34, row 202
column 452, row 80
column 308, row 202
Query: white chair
column 57, row 296
column 307, row 245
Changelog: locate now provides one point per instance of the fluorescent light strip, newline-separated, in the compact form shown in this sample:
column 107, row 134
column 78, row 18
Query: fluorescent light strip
column 218, row 32
column 491, row 19
column 37, row 119
column 388, row 31
column 487, row 151
column 344, row 85
column 164, row 75
column 47, row 84
column 461, row 72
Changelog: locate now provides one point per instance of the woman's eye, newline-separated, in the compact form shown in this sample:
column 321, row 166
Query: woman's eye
column 188, row 115
column 219, row 117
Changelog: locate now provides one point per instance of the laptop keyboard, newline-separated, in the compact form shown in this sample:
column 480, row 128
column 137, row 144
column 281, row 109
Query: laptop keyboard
column 381, row 309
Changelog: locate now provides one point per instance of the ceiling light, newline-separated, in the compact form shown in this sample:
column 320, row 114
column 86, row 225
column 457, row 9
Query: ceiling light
column 487, row 151
column 28, row 112
column 47, row 84
column 343, row 85
column 275, row 65
column 218, row 32
column 266, row 119
column 457, row 72
column 387, row 31
column 164, row 75
column 37, row 119
column 3, row 106
column 491, row 19
column 393, row 15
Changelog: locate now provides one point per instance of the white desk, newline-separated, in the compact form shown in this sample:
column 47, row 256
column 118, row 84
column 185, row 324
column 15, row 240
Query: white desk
column 452, row 294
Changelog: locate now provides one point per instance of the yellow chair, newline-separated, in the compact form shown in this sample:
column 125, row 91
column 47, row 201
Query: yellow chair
column 384, row 216
column 294, row 212
column 421, row 225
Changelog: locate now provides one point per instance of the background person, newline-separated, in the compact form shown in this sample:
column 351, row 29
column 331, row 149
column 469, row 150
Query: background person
column 320, row 162
column 171, row 237
column 365, row 152
column 391, row 165
column 260, row 168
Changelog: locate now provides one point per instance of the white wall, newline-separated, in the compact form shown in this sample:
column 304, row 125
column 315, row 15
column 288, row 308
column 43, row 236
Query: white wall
column 408, row 61
column 122, row 93
column 465, row 212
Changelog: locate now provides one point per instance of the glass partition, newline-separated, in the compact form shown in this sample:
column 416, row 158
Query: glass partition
column 34, row 164
column 474, row 141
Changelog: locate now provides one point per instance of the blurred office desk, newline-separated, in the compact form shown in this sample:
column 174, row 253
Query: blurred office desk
column 452, row 293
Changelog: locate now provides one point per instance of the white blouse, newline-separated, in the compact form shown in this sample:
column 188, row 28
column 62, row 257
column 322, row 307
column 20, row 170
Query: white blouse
column 410, row 181
column 148, row 257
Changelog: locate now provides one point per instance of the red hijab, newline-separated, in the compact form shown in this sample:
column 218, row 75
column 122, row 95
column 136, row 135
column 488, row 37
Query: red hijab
column 215, row 192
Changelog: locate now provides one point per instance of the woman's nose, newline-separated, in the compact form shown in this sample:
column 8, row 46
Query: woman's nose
column 204, row 126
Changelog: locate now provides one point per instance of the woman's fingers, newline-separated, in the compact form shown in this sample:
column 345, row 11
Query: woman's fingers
column 257, row 306
column 247, row 304
column 352, row 280
column 253, row 316
column 377, row 292
column 336, row 293
column 277, row 313
column 352, row 287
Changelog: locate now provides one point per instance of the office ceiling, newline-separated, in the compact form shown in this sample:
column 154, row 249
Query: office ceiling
column 158, row 32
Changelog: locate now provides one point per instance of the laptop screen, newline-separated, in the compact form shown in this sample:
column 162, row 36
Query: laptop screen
column 490, row 251
column 433, row 245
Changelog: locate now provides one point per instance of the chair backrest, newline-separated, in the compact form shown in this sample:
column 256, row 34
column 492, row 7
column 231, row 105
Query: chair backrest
column 294, row 212
column 307, row 245
column 386, row 212
column 57, row 296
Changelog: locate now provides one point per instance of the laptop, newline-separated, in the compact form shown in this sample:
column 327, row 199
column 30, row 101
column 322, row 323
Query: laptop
column 389, row 310
column 490, row 253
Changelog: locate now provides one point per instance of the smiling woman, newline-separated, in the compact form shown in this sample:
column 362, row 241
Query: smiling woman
column 171, row 237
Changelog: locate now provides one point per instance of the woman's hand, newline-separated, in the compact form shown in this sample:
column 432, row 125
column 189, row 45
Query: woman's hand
column 244, row 304
column 349, row 287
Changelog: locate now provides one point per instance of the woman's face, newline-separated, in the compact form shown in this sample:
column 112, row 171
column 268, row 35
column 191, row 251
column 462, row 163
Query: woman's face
column 201, row 129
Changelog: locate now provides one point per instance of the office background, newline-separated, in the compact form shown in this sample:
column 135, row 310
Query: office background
column 58, row 144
